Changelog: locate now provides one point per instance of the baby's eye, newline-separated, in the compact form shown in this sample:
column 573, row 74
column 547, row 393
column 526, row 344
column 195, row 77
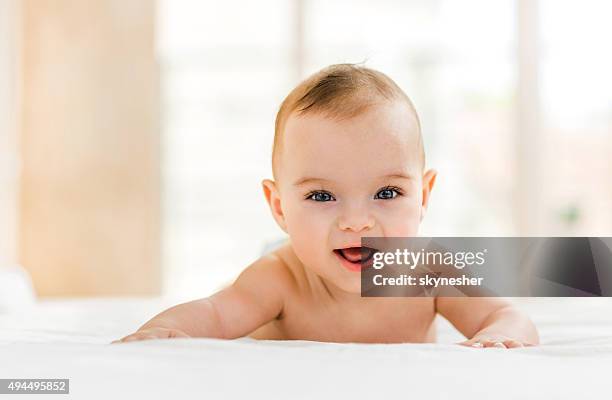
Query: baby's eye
column 320, row 196
column 388, row 193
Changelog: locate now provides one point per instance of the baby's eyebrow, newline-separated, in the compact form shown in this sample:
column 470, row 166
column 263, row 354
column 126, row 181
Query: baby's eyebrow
column 303, row 181
column 399, row 175
column 308, row 179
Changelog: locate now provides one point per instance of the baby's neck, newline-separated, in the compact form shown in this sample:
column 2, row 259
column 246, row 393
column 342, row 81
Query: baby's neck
column 336, row 294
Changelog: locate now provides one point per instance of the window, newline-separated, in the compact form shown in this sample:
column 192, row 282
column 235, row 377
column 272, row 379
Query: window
column 576, row 97
column 226, row 66
column 225, row 69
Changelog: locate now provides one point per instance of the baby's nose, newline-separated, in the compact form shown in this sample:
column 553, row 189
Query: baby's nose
column 356, row 222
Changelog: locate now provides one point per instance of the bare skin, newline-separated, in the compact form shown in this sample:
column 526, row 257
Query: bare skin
column 300, row 306
column 340, row 181
column 313, row 312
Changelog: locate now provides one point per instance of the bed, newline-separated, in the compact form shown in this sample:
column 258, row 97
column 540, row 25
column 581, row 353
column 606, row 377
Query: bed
column 70, row 339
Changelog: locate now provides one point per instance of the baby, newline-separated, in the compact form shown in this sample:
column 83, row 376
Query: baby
column 348, row 162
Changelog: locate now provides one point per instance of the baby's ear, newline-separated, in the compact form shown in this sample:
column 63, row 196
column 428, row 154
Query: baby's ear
column 429, row 178
column 273, row 198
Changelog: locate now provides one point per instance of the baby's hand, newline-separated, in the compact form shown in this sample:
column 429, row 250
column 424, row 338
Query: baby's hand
column 494, row 340
column 153, row 333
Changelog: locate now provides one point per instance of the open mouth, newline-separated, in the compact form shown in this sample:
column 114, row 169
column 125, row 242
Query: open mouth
column 355, row 258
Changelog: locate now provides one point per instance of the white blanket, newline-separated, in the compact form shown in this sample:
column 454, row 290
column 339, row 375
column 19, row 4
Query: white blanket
column 69, row 339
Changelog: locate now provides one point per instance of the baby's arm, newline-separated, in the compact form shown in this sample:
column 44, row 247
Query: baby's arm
column 488, row 321
column 255, row 298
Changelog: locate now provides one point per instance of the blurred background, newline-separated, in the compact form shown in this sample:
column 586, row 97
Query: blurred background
column 134, row 134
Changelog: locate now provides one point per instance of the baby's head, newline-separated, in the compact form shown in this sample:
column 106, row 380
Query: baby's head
column 348, row 162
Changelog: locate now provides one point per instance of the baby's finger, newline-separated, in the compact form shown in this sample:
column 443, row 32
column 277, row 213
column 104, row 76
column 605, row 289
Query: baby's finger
column 178, row 334
column 155, row 333
column 494, row 343
column 468, row 343
column 513, row 344
column 135, row 337
column 471, row 343
column 118, row 341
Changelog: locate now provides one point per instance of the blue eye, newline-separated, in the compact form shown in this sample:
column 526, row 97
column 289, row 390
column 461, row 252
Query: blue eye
column 388, row 193
column 320, row 196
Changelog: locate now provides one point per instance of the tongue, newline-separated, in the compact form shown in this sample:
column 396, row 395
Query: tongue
column 353, row 254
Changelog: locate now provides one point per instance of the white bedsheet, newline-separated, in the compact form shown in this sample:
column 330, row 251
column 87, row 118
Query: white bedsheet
column 69, row 339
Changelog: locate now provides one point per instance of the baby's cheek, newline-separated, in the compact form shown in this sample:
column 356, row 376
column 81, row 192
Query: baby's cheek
column 308, row 232
column 306, row 219
column 300, row 229
column 403, row 221
column 307, row 244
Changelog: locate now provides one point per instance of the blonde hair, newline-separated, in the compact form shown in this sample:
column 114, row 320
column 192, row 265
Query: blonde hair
column 339, row 91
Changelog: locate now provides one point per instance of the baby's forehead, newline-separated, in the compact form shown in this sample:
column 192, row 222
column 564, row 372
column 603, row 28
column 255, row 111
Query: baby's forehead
column 378, row 119
column 382, row 137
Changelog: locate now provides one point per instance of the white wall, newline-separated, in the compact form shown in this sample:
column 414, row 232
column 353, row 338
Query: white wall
column 8, row 127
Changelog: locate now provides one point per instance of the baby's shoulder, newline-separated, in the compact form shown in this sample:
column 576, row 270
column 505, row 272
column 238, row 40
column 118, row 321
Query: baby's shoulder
column 274, row 270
